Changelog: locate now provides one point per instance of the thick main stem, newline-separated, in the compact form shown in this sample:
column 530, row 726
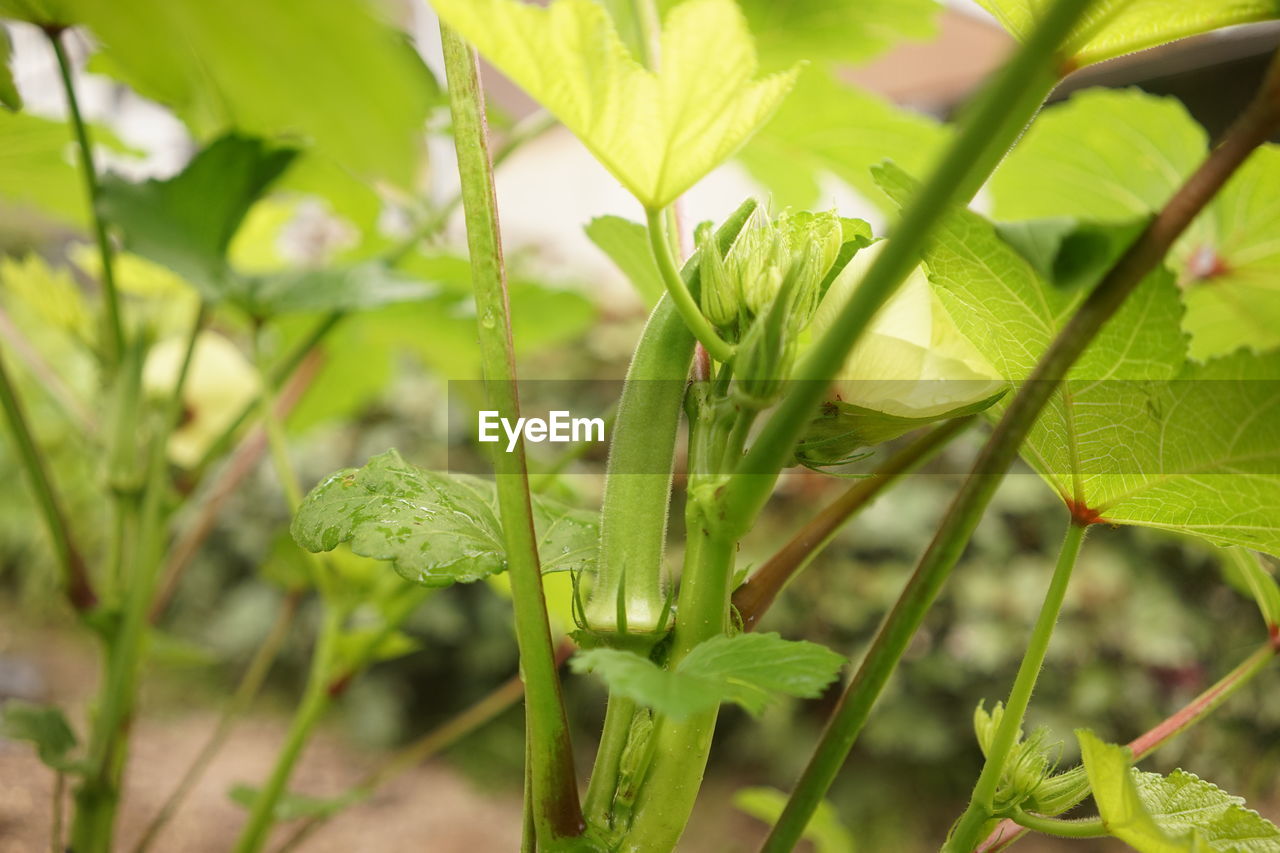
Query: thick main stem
column 558, row 813
column 1254, row 128
column 110, row 293
column 981, row 804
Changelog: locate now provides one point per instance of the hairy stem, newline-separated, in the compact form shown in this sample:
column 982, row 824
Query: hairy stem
column 114, row 341
column 758, row 592
column 1258, row 123
column 982, row 804
column 557, row 812
column 1083, row 828
column 75, row 572
column 1008, row 831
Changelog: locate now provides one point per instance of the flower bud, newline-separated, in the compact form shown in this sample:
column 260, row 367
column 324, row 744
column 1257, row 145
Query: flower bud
column 721, row 300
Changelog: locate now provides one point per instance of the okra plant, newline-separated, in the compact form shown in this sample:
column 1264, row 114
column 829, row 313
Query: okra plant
column 1111, row 317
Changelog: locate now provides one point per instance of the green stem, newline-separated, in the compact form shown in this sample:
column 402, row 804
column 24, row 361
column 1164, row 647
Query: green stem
column 1004, row 835
column 98, row 795
column 1253, row 129
column 987, row 128
column 757, row 593
column 982, row 803
column 558, row 813
column 110, row 293
column 75, row 572
column 1083, row 828
column 683, row 300
column 315, row 701
column 250, row 683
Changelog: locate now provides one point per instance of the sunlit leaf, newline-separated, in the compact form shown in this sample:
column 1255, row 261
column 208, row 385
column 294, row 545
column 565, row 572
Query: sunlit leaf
column 824, row 832
column 1112, row 28
column 436, row 529
column 826, row 127
column 658, row 133
column 1178, row 813
column 747, row 669
column 9, row 95
column 1139, row 434
column 627, row 245
column 38, row 166
column 254, row 67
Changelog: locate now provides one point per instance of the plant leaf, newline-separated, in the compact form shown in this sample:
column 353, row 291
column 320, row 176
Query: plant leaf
column 35, row 171
column 292, row 806
column 371, row 284
column 747, row 669
column 658, row 133
column 1245, row 571
column 824, row 831
column 1178, row 813
column 627, row 245
column 436, row 529
column 1138, row 435
column 186, row 222
column 9, row 95
column 1112, row 28
column 1227, row 264
column 331, row 76
column 45, row 727
column 827, row 127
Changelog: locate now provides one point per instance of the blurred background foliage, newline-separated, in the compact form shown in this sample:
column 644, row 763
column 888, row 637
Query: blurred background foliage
column 1149, row 622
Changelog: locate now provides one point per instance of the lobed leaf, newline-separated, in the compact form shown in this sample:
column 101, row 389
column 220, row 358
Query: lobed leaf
column 1178, row 813
column 747, row 669
column 43, row 726
column 657, row 132
column 1112, row 28
column 1139, row 434
column 435, row 529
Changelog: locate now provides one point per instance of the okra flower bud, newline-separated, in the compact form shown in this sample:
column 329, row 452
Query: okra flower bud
column 721, row 299
column 220, row 383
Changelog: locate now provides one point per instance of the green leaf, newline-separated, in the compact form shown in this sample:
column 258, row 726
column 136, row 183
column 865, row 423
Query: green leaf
column 1116, row 156
column 1068, row 252
column 1139, row 435
column 790, row 31
column 824, row 832
column 826, row 127
column 1178, row 813
column 332, row 76
column 372, row 284
column 292, row 806
column 58, row 13
column 1112, row 28
column 747, row 669
column 35, row 171
column 9, row 95
column 1230, row 263
column 1246, row 572
column 627, row 245
column 436, row 529
column 186, row 222
column 1103, row 155
column 352, row 647
column 658, row 133
column 45, row 727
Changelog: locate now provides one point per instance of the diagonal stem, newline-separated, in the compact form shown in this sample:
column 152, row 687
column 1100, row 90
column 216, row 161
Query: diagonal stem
column 1253, row 129
column 557, row 812
column 758, row 592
